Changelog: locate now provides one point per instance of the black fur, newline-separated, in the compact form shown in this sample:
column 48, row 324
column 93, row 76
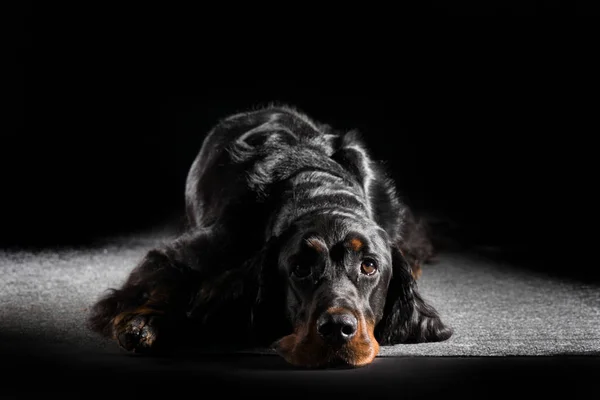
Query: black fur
column 271, row 190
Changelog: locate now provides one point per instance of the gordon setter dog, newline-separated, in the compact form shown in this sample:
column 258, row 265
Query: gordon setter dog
column 296, row 239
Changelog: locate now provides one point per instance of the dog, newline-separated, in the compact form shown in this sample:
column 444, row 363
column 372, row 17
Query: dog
column 296, row 239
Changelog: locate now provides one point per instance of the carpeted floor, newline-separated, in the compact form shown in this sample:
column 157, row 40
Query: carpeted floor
column 496, row 309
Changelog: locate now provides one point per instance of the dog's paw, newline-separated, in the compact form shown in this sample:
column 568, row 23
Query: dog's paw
column 138, row 333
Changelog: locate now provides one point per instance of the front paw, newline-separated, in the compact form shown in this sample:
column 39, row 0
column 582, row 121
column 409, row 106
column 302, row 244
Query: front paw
column 138, row 332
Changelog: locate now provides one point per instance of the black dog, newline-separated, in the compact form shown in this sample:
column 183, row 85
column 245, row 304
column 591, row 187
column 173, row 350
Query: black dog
column 296, row 237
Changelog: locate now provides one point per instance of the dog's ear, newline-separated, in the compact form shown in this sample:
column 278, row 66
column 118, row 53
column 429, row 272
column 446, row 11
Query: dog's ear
column 269, row 313
column 236, row 304
column 407, row 317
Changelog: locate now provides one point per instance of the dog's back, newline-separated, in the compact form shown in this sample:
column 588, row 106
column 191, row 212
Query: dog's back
column 256, row 171
column 246, row 156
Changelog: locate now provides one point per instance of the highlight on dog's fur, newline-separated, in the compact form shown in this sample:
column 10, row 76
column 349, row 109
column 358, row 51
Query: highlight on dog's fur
column 297, row 239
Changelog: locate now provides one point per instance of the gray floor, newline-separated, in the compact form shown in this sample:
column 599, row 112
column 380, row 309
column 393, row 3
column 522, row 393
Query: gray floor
column 548, row 327
column 495, row 308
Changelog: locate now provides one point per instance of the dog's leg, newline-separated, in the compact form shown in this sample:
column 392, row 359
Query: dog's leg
column 151, row 307
column 152, row 301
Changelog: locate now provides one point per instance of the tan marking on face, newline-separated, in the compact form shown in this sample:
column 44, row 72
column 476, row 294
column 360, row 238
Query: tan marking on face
column 305, row 348
column 356, row 244
column 363, row 350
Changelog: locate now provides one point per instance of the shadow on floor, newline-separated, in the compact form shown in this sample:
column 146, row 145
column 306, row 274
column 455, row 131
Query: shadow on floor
column 30, row 369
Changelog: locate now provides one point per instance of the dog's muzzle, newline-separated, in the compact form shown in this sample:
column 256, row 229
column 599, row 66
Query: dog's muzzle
column 337, row 328
column 338, row 336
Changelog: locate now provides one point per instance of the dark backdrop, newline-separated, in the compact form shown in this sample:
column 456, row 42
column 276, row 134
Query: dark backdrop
column 495, row 135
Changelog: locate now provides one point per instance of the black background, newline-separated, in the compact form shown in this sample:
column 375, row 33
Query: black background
column 490, row 128
column 487, row 123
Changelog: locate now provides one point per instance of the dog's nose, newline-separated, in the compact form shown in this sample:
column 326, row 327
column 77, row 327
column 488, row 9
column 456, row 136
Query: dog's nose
column 337, row 327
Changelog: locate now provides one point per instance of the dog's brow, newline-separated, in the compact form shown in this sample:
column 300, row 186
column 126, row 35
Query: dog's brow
column 316, row 244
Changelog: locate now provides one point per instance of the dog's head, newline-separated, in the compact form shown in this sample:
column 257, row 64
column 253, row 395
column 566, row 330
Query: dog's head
column 348, row 290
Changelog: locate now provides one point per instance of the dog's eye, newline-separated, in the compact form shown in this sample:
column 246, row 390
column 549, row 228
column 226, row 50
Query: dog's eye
column 302, row 270
column 368, row 266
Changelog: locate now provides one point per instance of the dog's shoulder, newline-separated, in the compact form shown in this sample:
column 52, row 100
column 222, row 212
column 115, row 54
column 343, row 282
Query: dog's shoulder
column 266, row 112
column 269, row 129
column 349, row 149
column 281, row 114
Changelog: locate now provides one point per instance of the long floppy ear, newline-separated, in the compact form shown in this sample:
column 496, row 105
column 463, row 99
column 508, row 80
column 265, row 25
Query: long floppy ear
column 225, row 305
column 269, row 313
column 407, row 318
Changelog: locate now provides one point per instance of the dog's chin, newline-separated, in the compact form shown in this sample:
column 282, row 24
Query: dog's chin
column 311, row 352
